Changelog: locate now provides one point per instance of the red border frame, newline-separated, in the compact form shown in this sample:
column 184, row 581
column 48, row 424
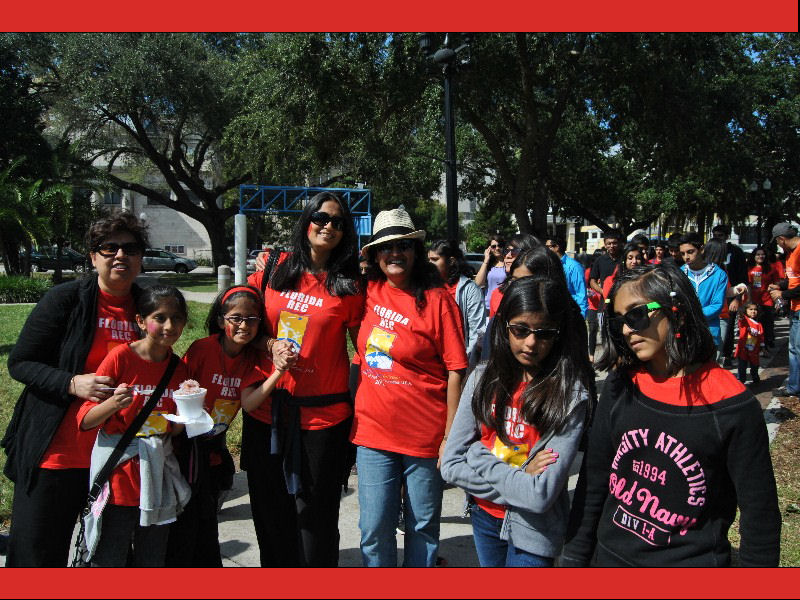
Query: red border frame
column 397, row 583
column 416, row 15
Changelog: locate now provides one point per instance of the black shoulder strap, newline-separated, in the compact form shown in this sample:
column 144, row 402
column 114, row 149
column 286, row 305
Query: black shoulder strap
column 104, row 473
column 274, row 254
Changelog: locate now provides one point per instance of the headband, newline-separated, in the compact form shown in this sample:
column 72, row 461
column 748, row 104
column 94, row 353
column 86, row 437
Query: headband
column 237, row 289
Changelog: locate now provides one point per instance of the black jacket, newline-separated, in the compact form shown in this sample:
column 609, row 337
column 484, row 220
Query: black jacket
column 52, row 347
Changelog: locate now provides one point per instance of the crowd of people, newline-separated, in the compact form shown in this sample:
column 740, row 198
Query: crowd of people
column 483, row 380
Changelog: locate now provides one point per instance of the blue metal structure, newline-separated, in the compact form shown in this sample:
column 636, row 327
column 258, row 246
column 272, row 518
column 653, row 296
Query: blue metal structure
column 261, row 199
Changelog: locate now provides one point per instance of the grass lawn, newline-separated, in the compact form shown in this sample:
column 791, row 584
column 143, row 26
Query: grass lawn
column 194, row 282
column 12, row 319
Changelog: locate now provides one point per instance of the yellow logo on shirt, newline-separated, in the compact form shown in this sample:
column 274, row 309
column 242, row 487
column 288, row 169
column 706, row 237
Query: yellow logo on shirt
column 224, row 410
column 513, row 455
column 155, row 424
column 379, row 343
column 292, row 327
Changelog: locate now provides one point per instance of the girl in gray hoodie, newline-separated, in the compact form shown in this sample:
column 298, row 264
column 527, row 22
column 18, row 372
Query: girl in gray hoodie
column 519, row 424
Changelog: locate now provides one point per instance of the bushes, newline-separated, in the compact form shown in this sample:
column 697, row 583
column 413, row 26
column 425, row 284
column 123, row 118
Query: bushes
column 22, row 289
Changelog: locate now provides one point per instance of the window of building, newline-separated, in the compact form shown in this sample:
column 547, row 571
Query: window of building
column 175, row 249
column 112, row 197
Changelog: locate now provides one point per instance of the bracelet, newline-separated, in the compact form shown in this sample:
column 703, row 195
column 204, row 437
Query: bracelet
column 71, row 386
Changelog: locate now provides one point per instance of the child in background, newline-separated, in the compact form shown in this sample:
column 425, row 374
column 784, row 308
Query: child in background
column 219, row 362
column 145, row 491
column 676, row 445
column 751, row 336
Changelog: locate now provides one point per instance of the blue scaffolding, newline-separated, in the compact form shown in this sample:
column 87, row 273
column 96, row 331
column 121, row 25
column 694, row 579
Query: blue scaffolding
column 278, row 199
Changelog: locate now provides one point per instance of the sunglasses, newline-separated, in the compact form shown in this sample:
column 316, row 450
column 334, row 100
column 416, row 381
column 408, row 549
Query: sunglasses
column 322, row 218
column 238, row 320
column 637, row 318
column 512, row 250
column 109, row 249
column 521, row 332
column 397, row 246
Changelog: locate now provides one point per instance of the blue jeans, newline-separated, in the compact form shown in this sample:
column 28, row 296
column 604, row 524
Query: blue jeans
column 380, row 476
column 793, row 382
column 496, row 552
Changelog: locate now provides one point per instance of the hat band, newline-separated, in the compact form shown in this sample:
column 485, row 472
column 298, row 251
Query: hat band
column 387, row 231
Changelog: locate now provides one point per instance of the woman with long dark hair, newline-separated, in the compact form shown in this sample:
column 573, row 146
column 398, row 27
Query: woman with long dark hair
column 448, row 259
column 519, row 425
column 294, row 445
column 412, row 359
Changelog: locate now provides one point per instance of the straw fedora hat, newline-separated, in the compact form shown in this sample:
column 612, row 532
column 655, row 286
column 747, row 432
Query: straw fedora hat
column 393, row 224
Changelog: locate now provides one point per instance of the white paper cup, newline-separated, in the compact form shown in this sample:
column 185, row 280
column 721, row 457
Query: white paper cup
column 190, row 406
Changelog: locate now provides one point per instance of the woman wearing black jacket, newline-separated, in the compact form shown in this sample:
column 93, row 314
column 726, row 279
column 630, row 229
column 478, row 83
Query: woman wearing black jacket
column 65, row 338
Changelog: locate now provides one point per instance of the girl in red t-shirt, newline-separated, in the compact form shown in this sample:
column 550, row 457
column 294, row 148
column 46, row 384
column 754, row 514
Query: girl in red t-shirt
column 138, row 367
column 761, row 275
column 221, row 363
column 751, row 336
column 519, row 425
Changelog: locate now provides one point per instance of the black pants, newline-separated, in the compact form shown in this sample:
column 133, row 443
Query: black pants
column 301, row 530
column 593, row 323
column 194, row 536
column 120, row 529
column 768, row 321
column 743, row 364
column 42, row 521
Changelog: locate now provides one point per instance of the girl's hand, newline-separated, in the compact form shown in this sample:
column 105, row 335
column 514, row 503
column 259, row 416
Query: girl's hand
column 122, row 397
column 487, row 255
column 283, row 355
column 540, row 462
column 91, row 387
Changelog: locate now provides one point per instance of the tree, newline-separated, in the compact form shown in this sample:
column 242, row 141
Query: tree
column 138, row 104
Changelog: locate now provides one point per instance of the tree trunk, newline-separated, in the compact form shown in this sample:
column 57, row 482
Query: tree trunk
column 219, row 243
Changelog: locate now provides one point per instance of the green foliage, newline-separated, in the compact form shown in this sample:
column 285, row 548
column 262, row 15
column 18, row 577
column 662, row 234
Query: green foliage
column 14, row 288
column 488, row 222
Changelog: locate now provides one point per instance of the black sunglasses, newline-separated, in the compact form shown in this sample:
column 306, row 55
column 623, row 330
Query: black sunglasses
column 521, row 332
column 238, row 319
column 512, row 250
column 322, row 218
column 396, row 246
column 637, row 318
column 109, row 249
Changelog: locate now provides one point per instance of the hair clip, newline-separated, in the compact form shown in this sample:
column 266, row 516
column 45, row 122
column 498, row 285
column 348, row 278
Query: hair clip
column 677, row 335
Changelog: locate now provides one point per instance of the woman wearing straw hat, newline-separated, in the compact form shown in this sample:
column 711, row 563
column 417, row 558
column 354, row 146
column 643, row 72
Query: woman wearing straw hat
column 412, row 360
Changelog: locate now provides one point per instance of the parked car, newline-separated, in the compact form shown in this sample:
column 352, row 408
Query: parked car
column 155, row 259
column 44, row 259
column 251, row 259
column 474, row 260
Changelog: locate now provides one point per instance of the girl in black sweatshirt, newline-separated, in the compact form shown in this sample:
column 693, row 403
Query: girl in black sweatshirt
column 676, row 445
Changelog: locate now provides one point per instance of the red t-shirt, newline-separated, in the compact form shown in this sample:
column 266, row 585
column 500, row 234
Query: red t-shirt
column 125, row 366
column 760, row 282
column 71, row 447
column 405, row 356
column 751, row 335
column 595, row 300
column 707, row 385
column 316, row 323
column 523, row 437
column 221, row 375
column 494, row 301
column 793, row 274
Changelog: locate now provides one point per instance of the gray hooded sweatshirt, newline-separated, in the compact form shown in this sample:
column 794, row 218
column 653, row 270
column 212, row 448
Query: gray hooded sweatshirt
column 537, row 507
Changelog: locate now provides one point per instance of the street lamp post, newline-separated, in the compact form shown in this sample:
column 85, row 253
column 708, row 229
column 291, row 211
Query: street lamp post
column 446, row 58
column 766, row 186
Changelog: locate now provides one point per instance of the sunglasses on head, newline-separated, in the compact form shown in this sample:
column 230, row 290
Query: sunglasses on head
column 637, row 318
column 109, row 249
column 396, row 246
column 512, row 250
column 322, row 218
column 521, row 332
